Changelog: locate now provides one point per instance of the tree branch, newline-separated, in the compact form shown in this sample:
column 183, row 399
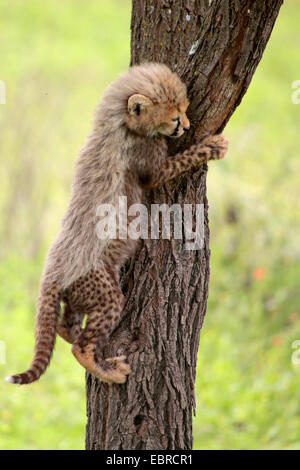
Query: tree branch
column 215, row 47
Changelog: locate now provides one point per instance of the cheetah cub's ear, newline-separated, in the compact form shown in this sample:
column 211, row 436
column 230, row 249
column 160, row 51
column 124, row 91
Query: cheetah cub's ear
column 136, row 103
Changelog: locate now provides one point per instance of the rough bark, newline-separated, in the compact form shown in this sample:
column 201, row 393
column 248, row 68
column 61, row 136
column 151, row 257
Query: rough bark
column 215, row 47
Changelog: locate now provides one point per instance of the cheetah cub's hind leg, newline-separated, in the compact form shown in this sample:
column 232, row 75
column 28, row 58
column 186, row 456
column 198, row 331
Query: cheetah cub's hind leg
column 104, row 308
column 69, row 327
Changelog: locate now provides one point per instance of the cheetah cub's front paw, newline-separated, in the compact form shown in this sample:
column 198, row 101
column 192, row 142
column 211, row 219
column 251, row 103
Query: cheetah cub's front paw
column 218, row 145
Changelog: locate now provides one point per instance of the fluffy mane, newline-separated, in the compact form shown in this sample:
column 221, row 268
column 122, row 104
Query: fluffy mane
column 153, row 80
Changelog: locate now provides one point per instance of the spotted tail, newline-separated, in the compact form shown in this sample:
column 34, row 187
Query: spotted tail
column 45, row 333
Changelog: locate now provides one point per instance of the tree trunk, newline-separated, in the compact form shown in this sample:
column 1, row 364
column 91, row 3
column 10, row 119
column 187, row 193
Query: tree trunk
column 215, row 47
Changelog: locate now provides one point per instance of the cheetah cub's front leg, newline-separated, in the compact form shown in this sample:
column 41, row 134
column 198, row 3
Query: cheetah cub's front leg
column 211, row 148
column 98, row 296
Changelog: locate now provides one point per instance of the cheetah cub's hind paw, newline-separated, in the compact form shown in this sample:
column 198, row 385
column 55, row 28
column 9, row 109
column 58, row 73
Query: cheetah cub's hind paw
column 111, row 370
column 119, row 369
column 218, row 145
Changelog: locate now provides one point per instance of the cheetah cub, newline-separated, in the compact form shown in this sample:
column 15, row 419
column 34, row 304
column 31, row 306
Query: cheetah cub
column 125, row 153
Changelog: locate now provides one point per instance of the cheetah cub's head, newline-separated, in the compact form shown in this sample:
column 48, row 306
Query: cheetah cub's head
column 158, row 107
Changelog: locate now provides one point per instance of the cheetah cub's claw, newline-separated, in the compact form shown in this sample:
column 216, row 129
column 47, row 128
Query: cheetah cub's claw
column 218, row 145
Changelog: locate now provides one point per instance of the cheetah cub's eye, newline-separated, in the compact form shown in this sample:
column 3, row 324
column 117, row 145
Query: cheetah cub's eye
column 175, row 124
column 176, row 121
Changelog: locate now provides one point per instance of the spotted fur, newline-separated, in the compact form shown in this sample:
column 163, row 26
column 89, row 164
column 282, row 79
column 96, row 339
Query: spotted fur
column 125, row 153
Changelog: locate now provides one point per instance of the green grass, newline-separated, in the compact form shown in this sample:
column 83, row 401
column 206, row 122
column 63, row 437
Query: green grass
column 57, row 59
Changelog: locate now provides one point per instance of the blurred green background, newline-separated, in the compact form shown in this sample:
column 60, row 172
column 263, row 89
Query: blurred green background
column 56, row 58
